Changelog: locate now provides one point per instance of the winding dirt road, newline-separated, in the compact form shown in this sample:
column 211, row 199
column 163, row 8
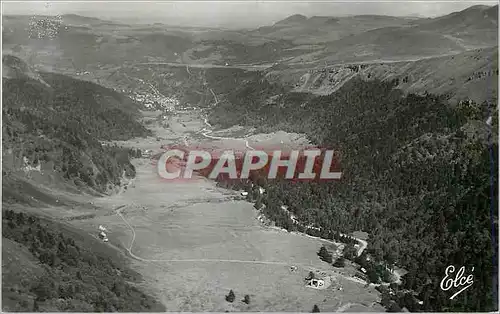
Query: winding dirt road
column 248, row 67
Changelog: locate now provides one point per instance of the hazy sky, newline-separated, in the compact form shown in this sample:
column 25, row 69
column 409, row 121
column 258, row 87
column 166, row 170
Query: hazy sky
column 233, row 13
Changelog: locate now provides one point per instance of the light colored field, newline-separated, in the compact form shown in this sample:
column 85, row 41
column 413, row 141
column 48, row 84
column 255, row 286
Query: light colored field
column 220, row 241
column 193, row 242
column 191, row 221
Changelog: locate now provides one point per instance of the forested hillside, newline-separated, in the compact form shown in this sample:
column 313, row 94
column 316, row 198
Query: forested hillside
column 53, row 124
column 416, row 177
column 61, row 271
column 63, row 124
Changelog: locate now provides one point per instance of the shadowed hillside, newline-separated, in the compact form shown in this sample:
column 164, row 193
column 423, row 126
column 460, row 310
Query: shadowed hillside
column 51, row 129
column 410, row 163
column 44, row 270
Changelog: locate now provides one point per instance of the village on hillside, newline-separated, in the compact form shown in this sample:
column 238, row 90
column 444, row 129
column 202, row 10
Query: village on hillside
column 154, row 101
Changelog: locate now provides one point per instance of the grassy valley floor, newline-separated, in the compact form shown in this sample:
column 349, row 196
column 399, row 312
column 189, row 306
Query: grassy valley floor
column 193, row 242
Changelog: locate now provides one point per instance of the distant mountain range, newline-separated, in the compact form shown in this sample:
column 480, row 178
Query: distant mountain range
column 297, row 42
column 475, row 26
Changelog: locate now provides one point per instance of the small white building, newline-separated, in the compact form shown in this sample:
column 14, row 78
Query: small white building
column 316, row 283
column 261, row 190
column 244, row 193
column 101, row 228
column 363, row 270
column 103, row 236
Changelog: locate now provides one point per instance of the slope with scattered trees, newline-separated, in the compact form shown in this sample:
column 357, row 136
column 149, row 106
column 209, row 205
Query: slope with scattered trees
column 416, row 173
column 64, row 123
column 70, row 271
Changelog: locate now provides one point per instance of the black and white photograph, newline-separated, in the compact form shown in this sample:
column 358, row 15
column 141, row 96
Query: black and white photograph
column 250, row 156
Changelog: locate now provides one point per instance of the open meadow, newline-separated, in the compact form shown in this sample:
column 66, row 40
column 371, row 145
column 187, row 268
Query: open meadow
column 193, row 242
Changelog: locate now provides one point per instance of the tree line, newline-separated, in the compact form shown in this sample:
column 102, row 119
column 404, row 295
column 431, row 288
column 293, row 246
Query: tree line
column 416, row 177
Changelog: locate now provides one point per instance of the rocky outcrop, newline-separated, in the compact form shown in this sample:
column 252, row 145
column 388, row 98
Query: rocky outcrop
column 473, row 74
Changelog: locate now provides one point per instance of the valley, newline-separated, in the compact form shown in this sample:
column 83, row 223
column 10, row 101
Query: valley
column 408, row 104
column 199, row 235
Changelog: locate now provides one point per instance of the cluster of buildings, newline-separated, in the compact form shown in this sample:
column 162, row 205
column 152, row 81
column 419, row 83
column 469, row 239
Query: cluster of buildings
column 28, row 166
column 155, row 102
column 102, row 234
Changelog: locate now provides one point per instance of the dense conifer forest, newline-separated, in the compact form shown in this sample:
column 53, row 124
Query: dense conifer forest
column 70, row 272
column 416, row 177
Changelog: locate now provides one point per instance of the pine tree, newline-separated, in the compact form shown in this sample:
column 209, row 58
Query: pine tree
column 325, row 255
column 34, row 247
column 230, row 297
column 36, row 308
column 315, row 309
column 350, row 251
column 258, row 204
column 246, row 299
column 20, row 219
column 61, row 247
column 340, row 262
column 310, row 276
column 386, row 299
column 394, row 308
